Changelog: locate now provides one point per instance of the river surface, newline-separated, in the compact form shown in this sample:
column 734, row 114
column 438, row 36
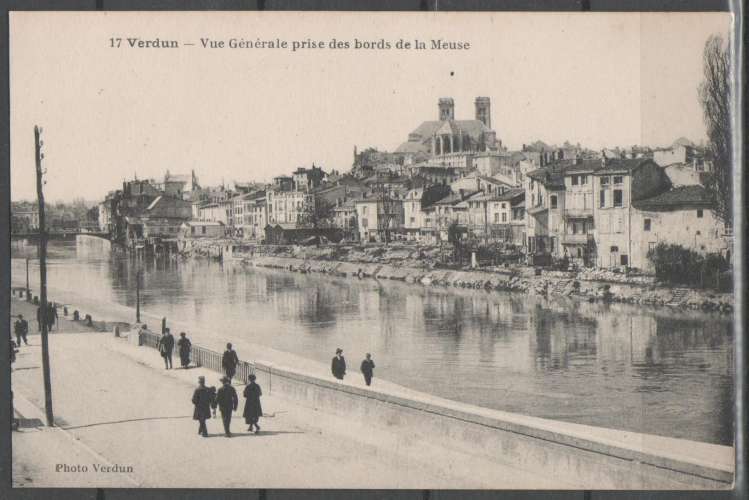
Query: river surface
column 656, row 371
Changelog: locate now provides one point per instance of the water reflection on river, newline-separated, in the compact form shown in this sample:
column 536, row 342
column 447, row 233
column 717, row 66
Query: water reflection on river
column 619, row 366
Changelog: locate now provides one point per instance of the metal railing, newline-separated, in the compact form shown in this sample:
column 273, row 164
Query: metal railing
column 201, row 356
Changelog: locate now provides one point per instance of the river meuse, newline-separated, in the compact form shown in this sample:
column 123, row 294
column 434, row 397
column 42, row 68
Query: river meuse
column 656, row 371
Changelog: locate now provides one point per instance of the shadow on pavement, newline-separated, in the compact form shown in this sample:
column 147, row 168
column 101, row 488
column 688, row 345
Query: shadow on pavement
column 29, row 423
column 96, row 424
column 260, row 434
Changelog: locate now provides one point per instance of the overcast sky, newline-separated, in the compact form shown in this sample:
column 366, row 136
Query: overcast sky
column 602, row 80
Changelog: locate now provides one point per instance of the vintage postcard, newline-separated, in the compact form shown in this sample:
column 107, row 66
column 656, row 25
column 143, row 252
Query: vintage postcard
column 372, row 250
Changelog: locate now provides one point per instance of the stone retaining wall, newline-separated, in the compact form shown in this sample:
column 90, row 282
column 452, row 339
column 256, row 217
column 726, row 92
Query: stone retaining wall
column 638, row 290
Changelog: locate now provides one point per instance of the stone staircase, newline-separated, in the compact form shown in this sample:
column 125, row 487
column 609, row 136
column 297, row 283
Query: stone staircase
column 679, row 296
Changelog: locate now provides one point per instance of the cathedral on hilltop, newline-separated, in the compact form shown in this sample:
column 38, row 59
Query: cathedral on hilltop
column 448, row 136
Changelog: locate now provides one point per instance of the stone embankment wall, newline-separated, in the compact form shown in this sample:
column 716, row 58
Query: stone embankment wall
column 604, row 286
column 578, row 455
column 420, row 265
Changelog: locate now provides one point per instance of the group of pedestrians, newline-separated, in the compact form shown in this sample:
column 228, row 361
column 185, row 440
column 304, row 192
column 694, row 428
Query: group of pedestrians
column 338, row 367
column 225, row 399
column 165, row 346
column 207, row 399
column 49, row 316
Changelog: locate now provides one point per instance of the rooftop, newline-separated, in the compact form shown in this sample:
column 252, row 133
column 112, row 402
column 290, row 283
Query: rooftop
column 685, row 196
column 203, row 223
column 622, row 165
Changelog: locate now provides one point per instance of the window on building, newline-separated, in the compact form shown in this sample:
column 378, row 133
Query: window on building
column 618, row 179
column 574, row 228
column 651, row 245
column 579, row 252
column 413, row 220
column 504, row 205
column 583, row 179
column 646, row 225
column 364, row 223
column 364, row 210
column 575, row 180
column 614, row 249
column 192, row 230
column 624, row 259
column 618, row 198
column 619, row 224
column 698, row 233
column 699, row 213
column 496, row 218
column 202, row 229
column 553, row 199
column 605, row 180
column 602, row 197
column 504, row 217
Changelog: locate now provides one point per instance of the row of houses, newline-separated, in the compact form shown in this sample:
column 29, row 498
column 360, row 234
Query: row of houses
column 609, row 213
column 595, row 212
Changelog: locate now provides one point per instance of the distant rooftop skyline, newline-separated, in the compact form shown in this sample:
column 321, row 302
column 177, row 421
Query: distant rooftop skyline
column 603, row 80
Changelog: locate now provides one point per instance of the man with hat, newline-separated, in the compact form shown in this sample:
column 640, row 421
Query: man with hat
column 203, row 399
column 338, row 365
column 229, row 362
column 227, row 401
column 166, row 346
column 21, row 328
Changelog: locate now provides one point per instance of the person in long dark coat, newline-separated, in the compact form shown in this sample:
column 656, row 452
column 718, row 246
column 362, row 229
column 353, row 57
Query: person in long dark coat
column 203, row 399
column 229, row 362
column 51, row 315
column 367, row 369
column 185, row 346
column 166, row 347
column 40, row 318
column 338, row 364
column 227, row 402
column 252, row 409
column 21, row 328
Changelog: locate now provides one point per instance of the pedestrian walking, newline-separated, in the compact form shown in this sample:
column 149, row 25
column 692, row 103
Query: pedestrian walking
column 21, row 329
column 227, row 402
column 203, row 399
column 252, row 409
column 185, row 346
column 51, row 316
column 338, row 365
column 367, row 368
column 166, row 347
column 229, row 362
column 40, row 318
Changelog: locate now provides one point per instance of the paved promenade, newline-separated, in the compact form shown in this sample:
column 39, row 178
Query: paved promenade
column 115, row 405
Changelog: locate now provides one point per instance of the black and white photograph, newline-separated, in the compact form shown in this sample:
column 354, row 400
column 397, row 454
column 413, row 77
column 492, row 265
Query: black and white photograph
column 426, row 250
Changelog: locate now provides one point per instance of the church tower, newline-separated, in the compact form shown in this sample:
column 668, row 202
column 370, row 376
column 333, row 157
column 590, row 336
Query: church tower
column 447, row 108
column 484, row 111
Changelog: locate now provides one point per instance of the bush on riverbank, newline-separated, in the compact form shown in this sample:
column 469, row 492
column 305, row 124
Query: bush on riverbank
column 677, row 265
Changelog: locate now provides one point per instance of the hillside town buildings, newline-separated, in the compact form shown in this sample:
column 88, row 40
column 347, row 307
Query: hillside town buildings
column 451, row 177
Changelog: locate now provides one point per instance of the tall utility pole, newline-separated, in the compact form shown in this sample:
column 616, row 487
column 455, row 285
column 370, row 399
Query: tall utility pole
column 137, row 296
column 28, row 290
column 43, row 279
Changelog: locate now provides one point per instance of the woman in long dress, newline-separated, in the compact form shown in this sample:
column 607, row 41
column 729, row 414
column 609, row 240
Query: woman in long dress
column 252, row 409
column 185, row 346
